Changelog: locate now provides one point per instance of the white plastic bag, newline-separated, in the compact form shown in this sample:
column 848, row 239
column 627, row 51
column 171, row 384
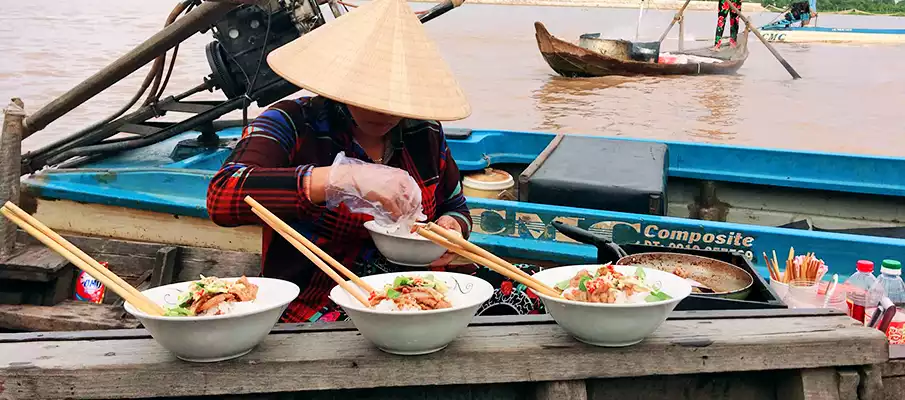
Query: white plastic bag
column 388, row 194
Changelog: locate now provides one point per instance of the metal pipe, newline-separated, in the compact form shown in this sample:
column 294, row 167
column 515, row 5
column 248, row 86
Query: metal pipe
column 198, row 19
column 10, row 154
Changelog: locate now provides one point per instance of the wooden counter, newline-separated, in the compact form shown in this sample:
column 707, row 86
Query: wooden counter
column 787, row 354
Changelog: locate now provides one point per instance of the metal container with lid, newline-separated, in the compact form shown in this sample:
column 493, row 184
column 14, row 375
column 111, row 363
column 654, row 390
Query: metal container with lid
column 489, row 184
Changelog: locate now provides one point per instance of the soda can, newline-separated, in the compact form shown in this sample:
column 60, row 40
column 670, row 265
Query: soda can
column 89, row 289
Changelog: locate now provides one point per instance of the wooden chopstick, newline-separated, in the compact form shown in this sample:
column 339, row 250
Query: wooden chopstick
column 139, row 300
column 308, row 244
column 158, row 310
column 534, row 284
column 280, row 227
column 314, row 258
column 449, row 235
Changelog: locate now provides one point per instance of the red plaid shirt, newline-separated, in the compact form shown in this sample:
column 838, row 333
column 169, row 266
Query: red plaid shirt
column 281, row 146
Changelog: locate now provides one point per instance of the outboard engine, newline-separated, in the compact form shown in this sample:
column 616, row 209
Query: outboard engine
column 244, row 38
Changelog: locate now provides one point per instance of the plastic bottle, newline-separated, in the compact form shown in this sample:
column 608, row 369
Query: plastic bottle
column 891, row 285
column 856, row 288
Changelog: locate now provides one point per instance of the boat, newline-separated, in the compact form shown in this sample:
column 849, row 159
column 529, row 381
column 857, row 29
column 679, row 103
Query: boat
column 814, row 34
column 717, row 197
column 571, row 60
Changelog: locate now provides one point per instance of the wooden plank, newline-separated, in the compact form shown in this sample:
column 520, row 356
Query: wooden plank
column 11, row 136
column 35, row 263
column 110, row 368
column 894, row 388
column 98, row 220
column 722, row 386
column 819, row 384
column 871, row 383
column 525, row 176
column 195, row 261
column 848, row 383
column 893, row 368
column 811, row 384
column 524, row 320
column 164, row 266
column 556, row 390
column 67, row 316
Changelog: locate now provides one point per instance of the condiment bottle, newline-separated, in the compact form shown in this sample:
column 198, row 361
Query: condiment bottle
column 856, row 288
column 891, row 285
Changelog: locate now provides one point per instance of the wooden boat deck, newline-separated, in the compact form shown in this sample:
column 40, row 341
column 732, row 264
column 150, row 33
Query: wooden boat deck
column 701, row 355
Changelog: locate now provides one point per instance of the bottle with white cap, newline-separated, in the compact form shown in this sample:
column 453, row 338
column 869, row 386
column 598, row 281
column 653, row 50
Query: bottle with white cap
column 891, row 285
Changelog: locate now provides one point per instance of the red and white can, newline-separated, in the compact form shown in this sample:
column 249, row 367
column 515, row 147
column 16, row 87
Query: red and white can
column 89, row 289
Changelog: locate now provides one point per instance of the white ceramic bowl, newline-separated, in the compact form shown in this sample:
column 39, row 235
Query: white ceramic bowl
column 612, row 325
column 416, row 332
column 402, row 248
column 218, row 337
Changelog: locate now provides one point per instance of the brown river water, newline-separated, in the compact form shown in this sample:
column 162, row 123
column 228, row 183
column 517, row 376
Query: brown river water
column 851, row 99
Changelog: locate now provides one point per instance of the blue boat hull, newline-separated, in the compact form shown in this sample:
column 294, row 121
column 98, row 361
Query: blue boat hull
column 805, row 34
column 148, row 179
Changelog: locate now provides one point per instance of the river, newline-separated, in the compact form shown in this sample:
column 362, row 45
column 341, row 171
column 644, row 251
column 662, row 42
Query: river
column 851, row 99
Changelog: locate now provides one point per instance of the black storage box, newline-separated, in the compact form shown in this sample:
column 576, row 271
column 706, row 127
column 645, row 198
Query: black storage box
column 36, row 275
column 598, row 174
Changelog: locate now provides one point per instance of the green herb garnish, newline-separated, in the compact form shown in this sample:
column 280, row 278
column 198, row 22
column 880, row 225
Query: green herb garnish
column 402, row 281
column 656, row 296
column 392, row 294
column 639, row 272
column 177, row 312
column 581, row 285
column 563, row 285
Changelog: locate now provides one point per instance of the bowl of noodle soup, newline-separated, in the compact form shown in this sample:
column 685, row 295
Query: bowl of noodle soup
column 416, row 312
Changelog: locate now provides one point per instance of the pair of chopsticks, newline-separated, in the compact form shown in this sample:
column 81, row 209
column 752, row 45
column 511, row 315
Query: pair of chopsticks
column 431, row 231
column 78, row 258
column 455, row 243
column 314, row 253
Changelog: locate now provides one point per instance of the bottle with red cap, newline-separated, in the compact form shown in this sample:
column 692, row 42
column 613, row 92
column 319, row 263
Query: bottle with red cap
column 891, row 285
column 857, row 287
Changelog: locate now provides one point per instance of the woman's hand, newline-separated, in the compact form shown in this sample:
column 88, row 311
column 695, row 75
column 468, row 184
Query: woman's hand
column 449, row 223
column 389, row 194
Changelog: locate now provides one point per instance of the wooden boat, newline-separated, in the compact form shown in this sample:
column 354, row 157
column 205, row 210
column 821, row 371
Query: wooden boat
column 744, row 200
column 813, row 34
column 572, row 60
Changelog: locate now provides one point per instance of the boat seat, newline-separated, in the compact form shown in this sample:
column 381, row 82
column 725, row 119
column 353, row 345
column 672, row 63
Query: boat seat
column 600, row 174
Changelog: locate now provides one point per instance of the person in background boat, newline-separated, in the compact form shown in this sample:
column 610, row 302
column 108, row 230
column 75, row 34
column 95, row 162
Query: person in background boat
column 723, row 13
column 800, row 11
column 368, row 108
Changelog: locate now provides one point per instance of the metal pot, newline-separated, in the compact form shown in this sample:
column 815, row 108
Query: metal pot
column 726, row 280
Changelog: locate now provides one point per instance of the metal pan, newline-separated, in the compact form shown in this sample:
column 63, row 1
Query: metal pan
column 726, row 280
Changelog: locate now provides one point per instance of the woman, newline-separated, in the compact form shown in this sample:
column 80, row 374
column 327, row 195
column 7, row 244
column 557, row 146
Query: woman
column 378, row 102
column 723, row 12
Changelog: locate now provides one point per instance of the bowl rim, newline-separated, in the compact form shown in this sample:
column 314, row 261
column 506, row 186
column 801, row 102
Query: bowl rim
column 139, row 314
column 608, row 305
column 370, row 226
column 358, row 308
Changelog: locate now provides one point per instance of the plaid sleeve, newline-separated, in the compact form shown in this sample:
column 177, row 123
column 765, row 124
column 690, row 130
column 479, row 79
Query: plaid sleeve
column 449, row 191
column 260, row 167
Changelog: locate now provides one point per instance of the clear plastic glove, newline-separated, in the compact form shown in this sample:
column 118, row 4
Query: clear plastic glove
column 388, row 194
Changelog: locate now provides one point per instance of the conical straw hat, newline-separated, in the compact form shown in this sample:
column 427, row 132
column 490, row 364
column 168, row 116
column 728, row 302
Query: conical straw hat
column 377, row 57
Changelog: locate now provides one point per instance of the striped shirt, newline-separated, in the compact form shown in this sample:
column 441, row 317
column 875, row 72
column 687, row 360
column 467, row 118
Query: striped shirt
column 281, row 146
